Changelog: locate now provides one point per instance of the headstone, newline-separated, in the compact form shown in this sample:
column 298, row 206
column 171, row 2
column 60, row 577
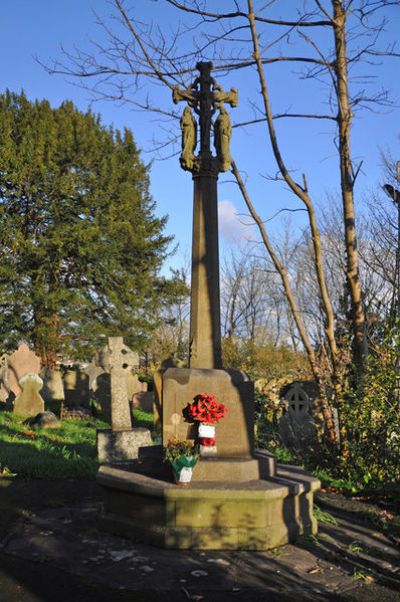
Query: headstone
column 299, row 404
column 134, row 385
column 53, row 388
column 297, row 427
column 93, row 372
column 120, row 359
column 22, row 361
column 76, row 387
column 103, row 394
column 4, row 385
column 122, row 442
column 144, row 400
column 138, row 393
column 138, row 498
column 102, row 358
column 29, row 402
column 99, row 370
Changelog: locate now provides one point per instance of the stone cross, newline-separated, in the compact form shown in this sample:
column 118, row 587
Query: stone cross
column 120, row 359
column 205, row 97
column 299, row 403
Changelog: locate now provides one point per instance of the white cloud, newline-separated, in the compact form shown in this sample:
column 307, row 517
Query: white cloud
column 232, row 227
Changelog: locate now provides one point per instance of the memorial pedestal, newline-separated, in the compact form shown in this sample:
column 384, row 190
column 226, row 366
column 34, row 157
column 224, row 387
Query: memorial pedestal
column 239, row 499
column 252, row 515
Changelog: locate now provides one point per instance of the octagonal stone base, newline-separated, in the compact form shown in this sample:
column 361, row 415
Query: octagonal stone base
column 257, row 514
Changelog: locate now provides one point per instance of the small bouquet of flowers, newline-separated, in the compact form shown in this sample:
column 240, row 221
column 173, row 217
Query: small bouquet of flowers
column 206, row 411
column 182, row 455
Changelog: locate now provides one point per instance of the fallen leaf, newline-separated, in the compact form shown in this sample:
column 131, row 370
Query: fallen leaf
column 117, row 555
column 315, row 569
column 220, row 561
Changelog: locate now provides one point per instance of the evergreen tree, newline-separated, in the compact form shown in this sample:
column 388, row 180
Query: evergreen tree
column 81, row 247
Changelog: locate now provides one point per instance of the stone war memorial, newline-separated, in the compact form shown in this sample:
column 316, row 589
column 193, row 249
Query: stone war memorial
column 239, row 497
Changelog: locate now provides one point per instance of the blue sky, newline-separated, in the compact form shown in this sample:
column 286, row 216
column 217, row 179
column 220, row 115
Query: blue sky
column 39, row 27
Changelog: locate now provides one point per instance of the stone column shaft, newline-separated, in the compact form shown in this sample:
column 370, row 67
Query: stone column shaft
column 205, row 321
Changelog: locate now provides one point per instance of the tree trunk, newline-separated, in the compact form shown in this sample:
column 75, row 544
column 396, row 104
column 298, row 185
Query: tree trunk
column 301, row 192
column 347, row 178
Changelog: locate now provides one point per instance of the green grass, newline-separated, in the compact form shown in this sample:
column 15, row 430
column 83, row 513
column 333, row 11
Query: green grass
column 324, row 517
column 68, row 452
column 355, row 547
column 142, row 419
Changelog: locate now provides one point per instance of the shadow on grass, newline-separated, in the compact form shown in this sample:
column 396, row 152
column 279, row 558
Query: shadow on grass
column 34, row 457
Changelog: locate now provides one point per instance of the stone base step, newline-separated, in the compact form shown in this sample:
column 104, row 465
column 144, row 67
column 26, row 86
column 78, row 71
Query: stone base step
column 257, row 514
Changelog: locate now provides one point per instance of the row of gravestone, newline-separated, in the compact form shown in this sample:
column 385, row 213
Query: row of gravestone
column 21, row 379
column 21, row 375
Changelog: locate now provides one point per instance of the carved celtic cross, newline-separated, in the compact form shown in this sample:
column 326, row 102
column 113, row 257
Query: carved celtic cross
column 205, row 97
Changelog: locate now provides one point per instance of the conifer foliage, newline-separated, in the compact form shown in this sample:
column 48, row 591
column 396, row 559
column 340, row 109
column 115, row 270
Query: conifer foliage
column 81, row 246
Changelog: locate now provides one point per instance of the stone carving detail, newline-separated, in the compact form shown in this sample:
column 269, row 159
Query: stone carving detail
column 298, row 402
column 222, row 137
column 205, row 97
column 189, row 139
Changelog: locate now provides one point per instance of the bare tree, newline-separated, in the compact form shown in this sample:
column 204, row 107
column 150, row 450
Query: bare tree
column 251, row 298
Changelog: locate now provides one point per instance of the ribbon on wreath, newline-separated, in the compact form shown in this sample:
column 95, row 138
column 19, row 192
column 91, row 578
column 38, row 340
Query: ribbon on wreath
column 207, row 441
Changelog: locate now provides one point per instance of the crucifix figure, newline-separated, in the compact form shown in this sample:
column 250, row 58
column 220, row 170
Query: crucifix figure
column 205, row 97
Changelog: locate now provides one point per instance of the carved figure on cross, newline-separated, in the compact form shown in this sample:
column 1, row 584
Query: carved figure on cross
column 205, row 97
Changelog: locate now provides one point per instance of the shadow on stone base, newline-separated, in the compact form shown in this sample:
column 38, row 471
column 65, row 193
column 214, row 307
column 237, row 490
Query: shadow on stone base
column 255, row 515
column 121, row 446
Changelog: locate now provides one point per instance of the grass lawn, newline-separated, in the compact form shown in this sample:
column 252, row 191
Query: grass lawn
column 68, row 452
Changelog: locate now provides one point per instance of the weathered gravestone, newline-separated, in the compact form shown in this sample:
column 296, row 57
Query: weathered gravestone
column 99, row 376
column 21, row 362
column 297, row 426
column 122, row 442
column 141, row 397
column 4, row 386
column 29, row 402
column 76, row 388
column 53, row 388
column 120, row 360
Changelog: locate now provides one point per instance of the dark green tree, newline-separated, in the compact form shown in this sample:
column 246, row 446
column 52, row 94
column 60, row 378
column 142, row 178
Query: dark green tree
column 81, row 246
